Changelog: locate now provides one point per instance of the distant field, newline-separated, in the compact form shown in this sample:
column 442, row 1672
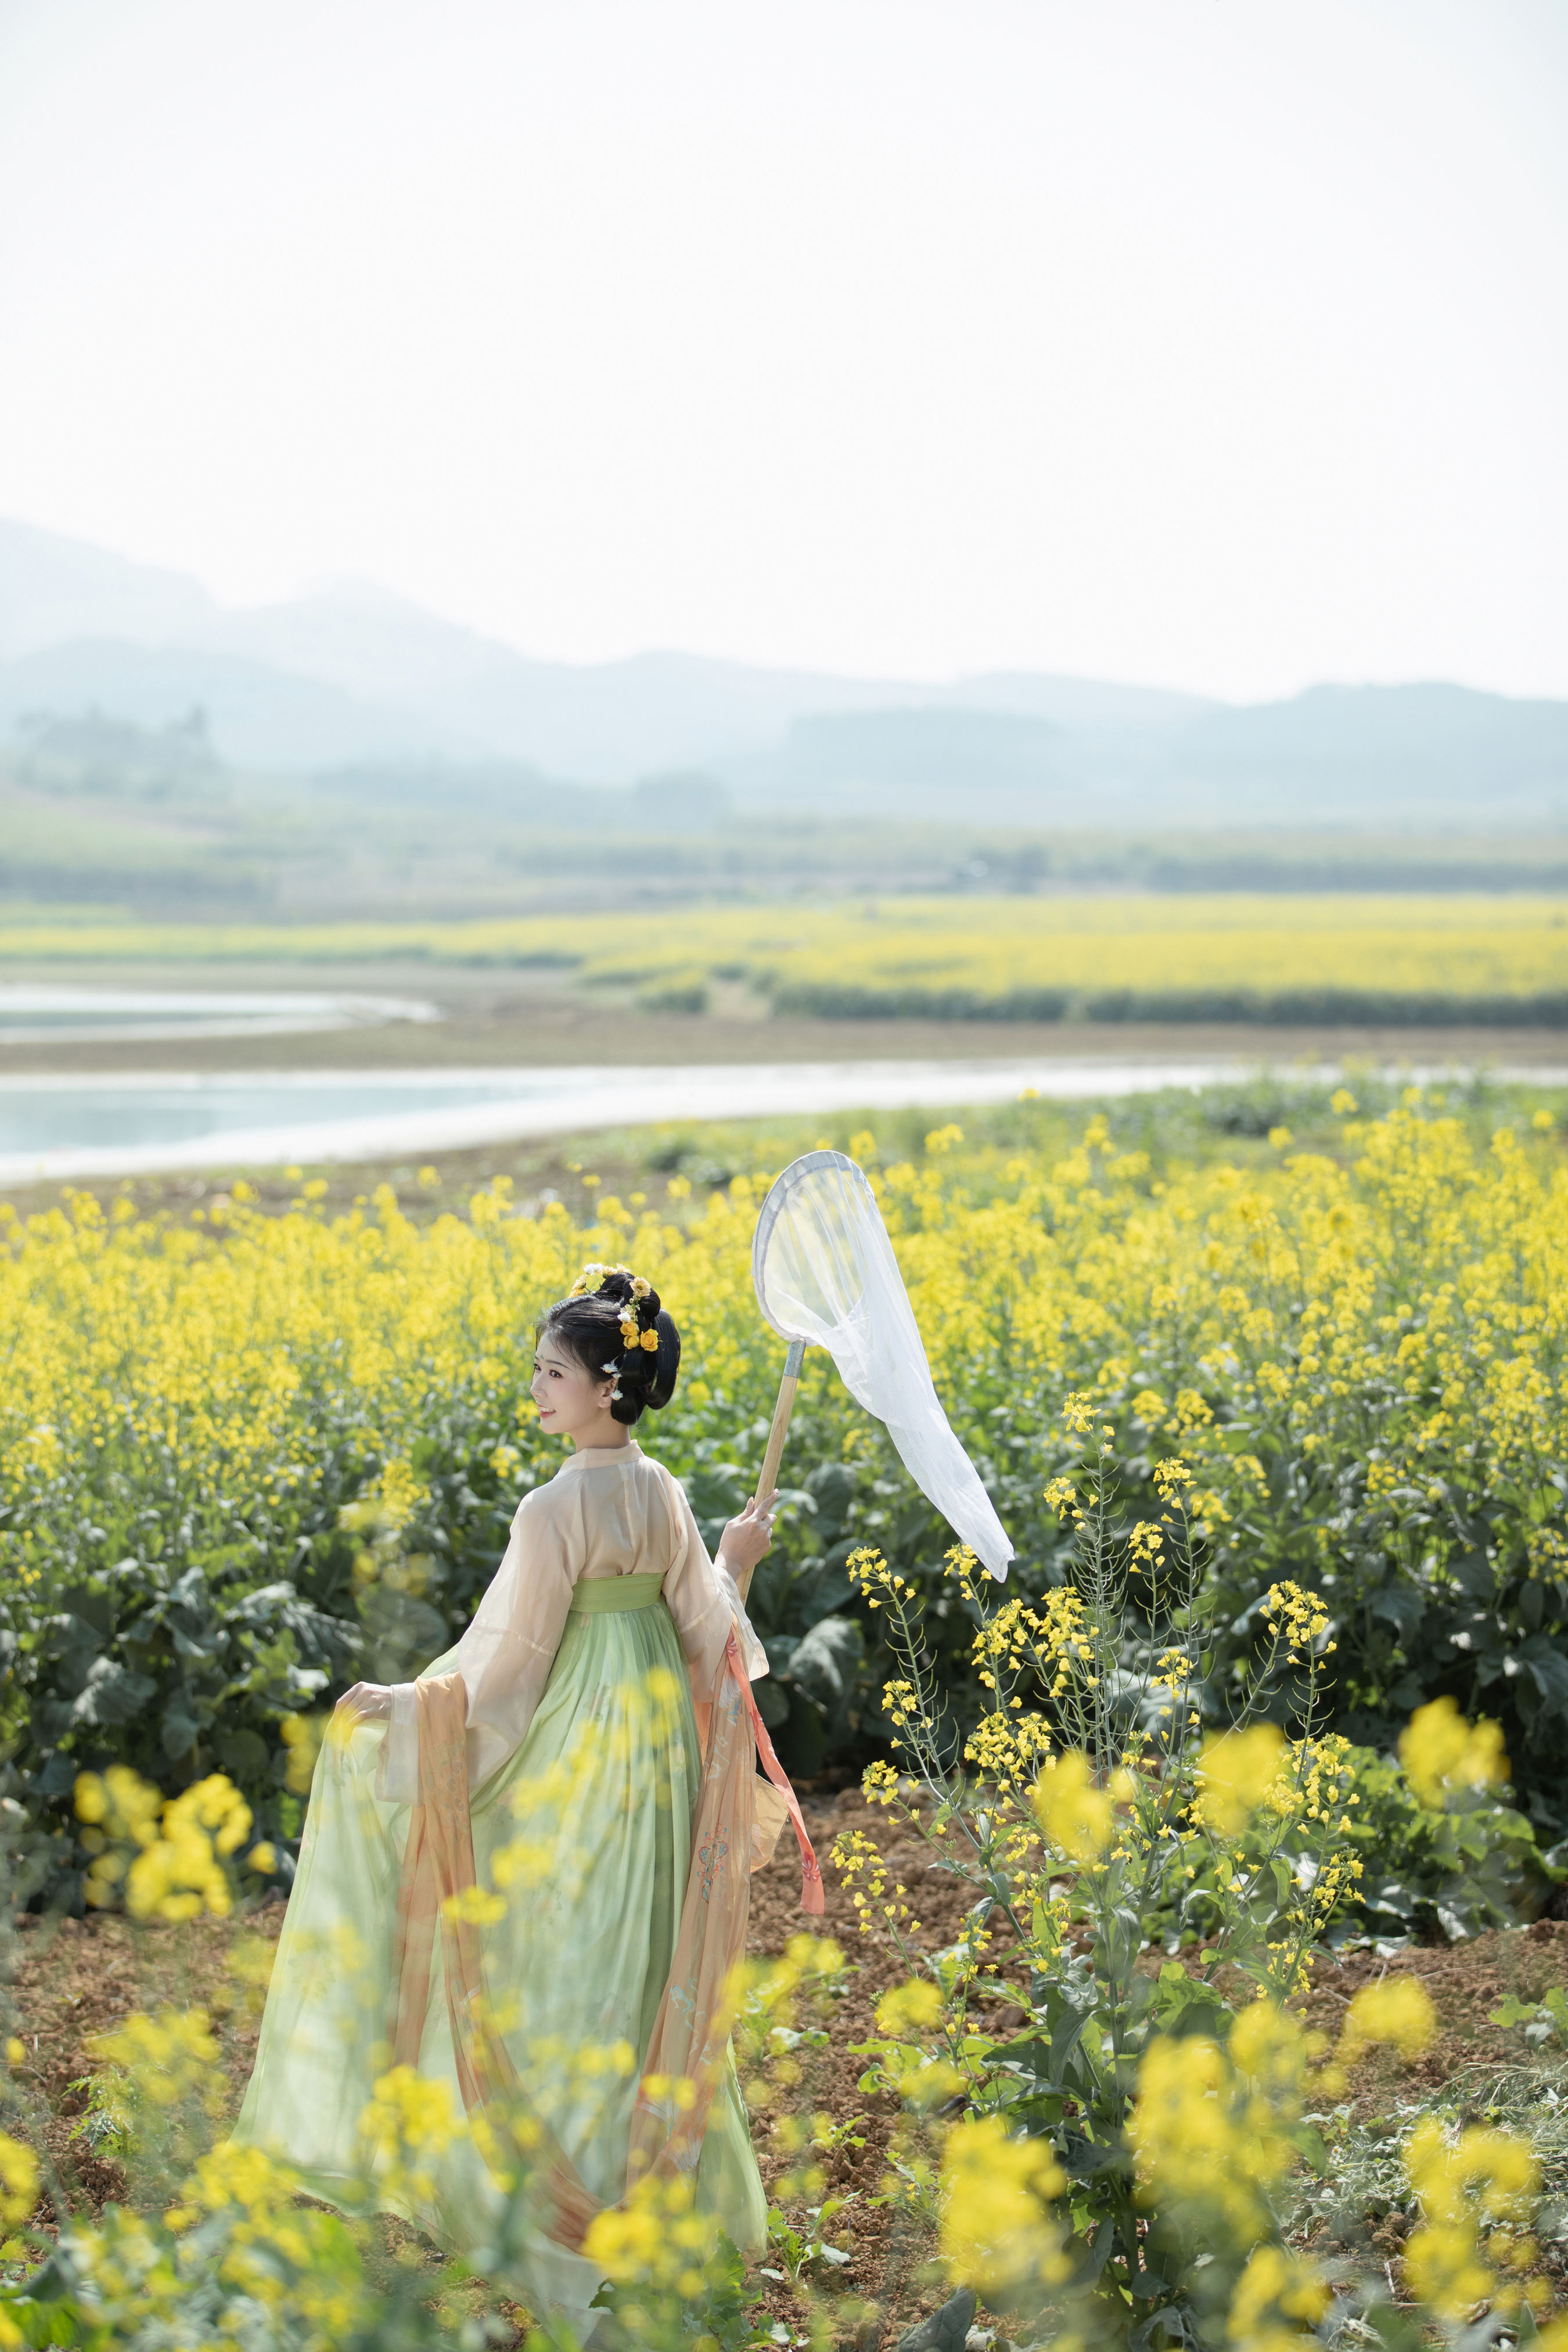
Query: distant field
column 1281, row 960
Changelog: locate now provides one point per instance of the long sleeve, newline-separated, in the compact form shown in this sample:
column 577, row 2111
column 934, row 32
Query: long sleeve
column 506, row 1654
column 703, row 1599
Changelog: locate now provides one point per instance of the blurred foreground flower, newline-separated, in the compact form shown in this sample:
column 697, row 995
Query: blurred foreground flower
column 656, row 2239
column 1275, row 2289
column 169, row 2058
column 18, row 2180
column 1443, row 1755
column 174, row 1870
column 1236, row 1771
column 999, row 2232
column 1076, row 1816
column 1483, row 2181
column 408, row 2117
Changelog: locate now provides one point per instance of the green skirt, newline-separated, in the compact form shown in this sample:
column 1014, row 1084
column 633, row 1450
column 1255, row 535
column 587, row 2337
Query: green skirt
column 589, row 1825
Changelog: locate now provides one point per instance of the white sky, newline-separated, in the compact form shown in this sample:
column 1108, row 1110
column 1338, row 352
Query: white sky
column 1218, row 344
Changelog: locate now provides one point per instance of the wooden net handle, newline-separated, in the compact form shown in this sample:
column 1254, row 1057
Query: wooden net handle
column 779, row 1432
column 782, row 1412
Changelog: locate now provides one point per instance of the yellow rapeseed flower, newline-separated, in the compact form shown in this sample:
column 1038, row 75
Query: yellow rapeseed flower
column 18, row 2180
column 1238, row 1769
column 1399, row 2010
column 1443, row 1753
column 170, row 2058
column 1076, row 1817
column 908, row 2010
column 1484, row 2180
column 999, row 2230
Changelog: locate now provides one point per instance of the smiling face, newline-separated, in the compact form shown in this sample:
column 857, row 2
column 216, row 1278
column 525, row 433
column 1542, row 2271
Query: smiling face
column 573, row 1401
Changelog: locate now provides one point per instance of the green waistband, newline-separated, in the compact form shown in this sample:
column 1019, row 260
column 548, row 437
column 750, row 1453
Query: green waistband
column 592, row 1595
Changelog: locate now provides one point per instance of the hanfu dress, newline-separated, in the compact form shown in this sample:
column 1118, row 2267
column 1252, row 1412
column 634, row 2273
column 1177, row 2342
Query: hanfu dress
column 588, row 1751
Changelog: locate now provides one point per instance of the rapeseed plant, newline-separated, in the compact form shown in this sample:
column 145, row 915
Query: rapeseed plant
column 1088, row 1814
column 1214, row 2123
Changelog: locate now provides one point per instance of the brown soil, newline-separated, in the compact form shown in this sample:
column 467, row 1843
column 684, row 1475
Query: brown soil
column 542, row 1019
column 79, row 1978
column 1465, row 1982
column 889, row 2255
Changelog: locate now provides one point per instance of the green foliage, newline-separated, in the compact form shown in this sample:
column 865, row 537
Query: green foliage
column 1303, row 1008
column 1475, row 1865
column 1543, row 2022
column 803, row 2251
column 172, row 1627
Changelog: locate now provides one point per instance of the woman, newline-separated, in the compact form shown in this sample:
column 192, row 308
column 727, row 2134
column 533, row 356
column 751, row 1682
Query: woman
column 588, row 1746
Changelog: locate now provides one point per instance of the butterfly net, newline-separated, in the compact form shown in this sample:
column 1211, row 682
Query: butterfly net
column 826, row 1274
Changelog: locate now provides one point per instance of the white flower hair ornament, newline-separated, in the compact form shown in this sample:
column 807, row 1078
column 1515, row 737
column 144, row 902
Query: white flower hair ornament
column 594, row 1277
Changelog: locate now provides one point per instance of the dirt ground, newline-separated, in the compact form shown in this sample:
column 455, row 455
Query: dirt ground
column 78, row 1978
column 540, row 1018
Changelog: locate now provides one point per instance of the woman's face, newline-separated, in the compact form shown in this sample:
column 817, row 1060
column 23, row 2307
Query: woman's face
column 572, row 1401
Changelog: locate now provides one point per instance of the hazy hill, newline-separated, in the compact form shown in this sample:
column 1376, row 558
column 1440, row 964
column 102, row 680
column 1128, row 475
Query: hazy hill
column 921, row 749
column 350, row 678
column 54, row 589
column 260, row 718
column 1399, row 742
column 405, row 682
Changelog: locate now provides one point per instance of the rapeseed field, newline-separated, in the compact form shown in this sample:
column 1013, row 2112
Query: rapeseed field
column 1110, row 957
column 246, row 1457
column 235, row 1446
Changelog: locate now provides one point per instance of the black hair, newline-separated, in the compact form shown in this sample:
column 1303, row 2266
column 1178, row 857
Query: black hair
column 589, row 1326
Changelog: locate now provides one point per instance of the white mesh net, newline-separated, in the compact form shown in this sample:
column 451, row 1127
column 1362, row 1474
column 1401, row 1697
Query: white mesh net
column 826, row 1272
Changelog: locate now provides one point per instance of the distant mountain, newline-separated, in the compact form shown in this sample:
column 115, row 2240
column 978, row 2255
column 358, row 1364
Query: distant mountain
column 1400, row 742
column 54, row 589
column 407, row 682
column 1332, row 755
column 919, row 749
column 351, row 679
column 609, row 720
column 1086, row 705
column 259, row 718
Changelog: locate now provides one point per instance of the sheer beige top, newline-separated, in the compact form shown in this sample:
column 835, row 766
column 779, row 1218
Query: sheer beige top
column 609, row 1510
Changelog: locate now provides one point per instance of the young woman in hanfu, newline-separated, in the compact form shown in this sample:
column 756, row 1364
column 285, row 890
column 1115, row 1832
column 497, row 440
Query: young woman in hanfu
column 589, row 1749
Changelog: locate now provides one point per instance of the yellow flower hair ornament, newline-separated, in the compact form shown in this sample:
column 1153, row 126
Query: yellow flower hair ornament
column 592, row 1279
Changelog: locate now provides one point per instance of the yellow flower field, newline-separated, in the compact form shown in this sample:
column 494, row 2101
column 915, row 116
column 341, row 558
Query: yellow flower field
column 232, row 1450
column 1360, row 1349
column 961, row 955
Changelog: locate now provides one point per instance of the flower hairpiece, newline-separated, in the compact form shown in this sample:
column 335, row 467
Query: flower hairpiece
column 592, row 1279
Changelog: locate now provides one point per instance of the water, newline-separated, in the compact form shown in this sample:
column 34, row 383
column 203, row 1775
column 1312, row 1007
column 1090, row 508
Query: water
column 61, row 1127
column 33, row 1013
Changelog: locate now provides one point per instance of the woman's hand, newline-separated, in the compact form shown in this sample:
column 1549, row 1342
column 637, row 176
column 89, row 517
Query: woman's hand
column 371, row 1699
column 745, row 1541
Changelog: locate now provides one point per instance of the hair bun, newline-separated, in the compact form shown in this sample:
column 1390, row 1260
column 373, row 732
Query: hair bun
column 665, row 1363
column 649, row 1373
column 636, row 1302
column 611, row 1321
